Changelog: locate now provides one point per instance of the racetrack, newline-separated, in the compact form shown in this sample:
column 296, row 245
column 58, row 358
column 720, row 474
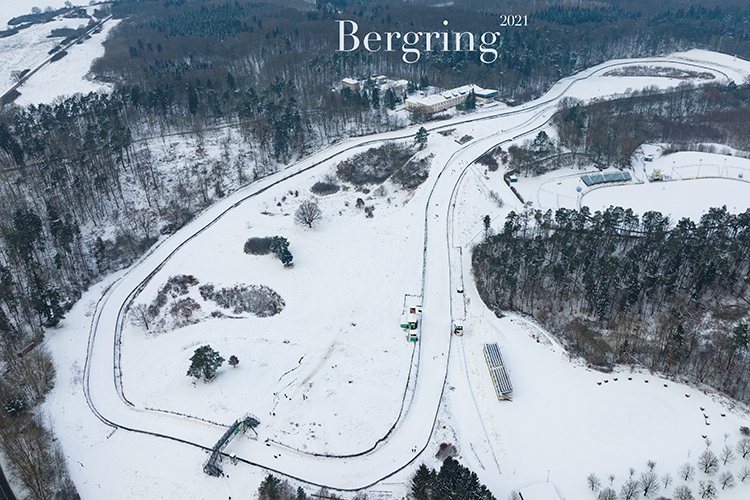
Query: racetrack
column 412, row 431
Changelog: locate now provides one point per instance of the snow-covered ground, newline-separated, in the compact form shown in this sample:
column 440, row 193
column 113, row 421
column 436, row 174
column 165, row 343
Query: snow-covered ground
column 69, row 75
column 696, row 181
column 14, row 8
column 343, row 300
column 327, row 374
column 30, row 47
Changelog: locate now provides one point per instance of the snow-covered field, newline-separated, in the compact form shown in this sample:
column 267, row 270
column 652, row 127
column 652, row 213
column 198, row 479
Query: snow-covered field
column 696, row 182
column 68, row 76
column 14, row 8
column 350, row 360
column 327, row 374
column 30, row 47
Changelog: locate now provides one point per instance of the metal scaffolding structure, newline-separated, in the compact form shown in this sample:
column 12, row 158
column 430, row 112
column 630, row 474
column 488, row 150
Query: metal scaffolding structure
column 212, row 466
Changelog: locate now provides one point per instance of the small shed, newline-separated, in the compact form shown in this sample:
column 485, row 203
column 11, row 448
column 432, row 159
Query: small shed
column 485, row 95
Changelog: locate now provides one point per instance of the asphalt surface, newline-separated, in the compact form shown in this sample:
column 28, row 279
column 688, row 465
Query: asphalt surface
column 5, row 491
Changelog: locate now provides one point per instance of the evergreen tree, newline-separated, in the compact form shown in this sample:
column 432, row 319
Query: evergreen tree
column 421, row 482
column 390, row 99
column 471, row 101
column 280, row 246
column 375, row 97
column 204, row 363
column 192, row 100
column 420, row 140
column 46, row 301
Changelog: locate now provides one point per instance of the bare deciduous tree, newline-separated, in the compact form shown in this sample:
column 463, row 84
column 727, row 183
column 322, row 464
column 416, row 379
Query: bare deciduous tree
column 707, row 489
column 726, row 480
column 743, row 447
column 35, row 374
column 708, row 463
column 307, row 213
column 607, row 494
column 140, row 316
column 727, row 455
column 666, row 480
column 593, row 482
column 31, row 457
column 683, row 493
column 686, row 471
column 649, row 483
column 744, row 473
column 630, row 490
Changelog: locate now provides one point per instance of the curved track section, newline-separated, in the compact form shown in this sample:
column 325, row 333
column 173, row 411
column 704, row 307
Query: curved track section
column 414, row 427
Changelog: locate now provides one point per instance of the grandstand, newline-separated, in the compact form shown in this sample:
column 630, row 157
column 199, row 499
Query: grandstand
column 498, row 373
column 605, row 177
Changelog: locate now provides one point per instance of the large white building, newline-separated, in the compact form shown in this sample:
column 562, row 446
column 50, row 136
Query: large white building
column 351, row 84
column 449, row 98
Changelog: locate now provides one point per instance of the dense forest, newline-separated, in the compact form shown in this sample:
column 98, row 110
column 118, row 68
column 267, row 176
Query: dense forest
column 617, row 288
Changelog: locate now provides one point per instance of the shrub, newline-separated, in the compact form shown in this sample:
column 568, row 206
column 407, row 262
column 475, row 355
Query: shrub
column 258, row 246
column 207, row 291
column 375, row 165
column 183, row 309
column 324, row 188
column 413, row 173
column 489, row 161
column 446, row 450
column 258, row 300
column 175, row 286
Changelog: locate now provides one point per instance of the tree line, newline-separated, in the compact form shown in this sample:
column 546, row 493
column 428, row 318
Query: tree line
column 617, row 288
column 608, row 133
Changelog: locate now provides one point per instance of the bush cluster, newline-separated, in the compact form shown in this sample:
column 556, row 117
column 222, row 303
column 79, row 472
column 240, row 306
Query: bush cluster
column 375, row 165
column 324, row 188
column 259, row 300
column 258, row 246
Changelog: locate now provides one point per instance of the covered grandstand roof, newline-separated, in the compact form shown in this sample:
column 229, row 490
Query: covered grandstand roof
column 498, row 373
column 603, row 177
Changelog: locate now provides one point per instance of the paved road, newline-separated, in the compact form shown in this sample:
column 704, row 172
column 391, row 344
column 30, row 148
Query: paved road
column 5, row 492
